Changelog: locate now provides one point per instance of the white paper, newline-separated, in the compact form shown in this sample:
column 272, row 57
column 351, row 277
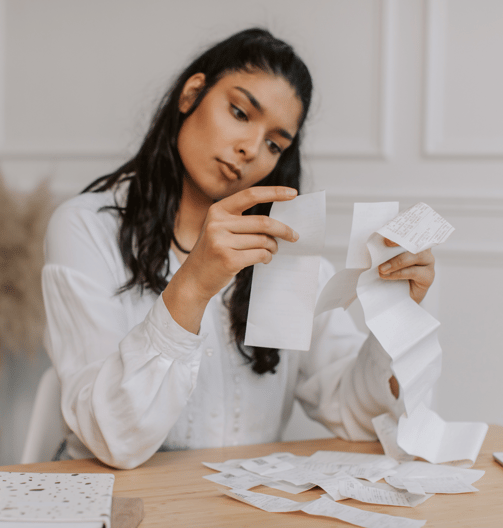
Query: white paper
column 283, row 292
column 419, row 469
column 269, row 503
column 323, row 507
column 288, row 487
column 331, row 484
column 434, row 478
column 267, row 465
column 236, row 478
column 379, row 493
column 426, row 435
column 224, row 466
column 418, row 228
column 453, row 484
column 367, row 218
column 339, row 291
column 299, row 476
column 333, row 461
column 329, row 508
column 386, row 429
column 405, row 330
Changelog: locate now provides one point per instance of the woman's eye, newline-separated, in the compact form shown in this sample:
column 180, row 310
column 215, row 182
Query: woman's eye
column 238, row 113
column 273, row 147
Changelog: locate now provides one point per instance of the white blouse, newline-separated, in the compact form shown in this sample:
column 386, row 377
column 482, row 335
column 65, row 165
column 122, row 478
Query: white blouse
column 133, row 380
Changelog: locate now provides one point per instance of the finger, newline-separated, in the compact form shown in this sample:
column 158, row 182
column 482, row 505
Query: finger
column 243, row 200
column 261, row 224
column 251, row 257
column 254, row 241
column 421, row 275
column 390, row 243
column 407, row 259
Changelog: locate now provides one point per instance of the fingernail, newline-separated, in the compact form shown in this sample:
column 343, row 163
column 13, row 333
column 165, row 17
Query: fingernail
column 291, row 192
column 295, row 236
column 384, row 267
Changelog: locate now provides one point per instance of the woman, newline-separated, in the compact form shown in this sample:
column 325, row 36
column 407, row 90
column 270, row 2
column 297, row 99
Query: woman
column 148, row 275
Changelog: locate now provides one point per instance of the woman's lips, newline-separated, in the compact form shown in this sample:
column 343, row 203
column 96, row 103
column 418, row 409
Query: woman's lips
column 229, row 170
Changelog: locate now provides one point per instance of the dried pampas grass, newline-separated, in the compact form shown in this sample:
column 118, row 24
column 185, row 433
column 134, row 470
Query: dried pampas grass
column 23, row 222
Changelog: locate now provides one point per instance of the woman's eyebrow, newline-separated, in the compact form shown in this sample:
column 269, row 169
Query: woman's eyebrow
column 281, row 131
column 250, row 96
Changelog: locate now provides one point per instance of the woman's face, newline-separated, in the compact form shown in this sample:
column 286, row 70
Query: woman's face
column 234, row 138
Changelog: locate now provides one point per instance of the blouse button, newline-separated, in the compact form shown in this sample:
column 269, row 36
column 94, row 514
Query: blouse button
column 165, row 324
column 209, row 352
column 237, row 379
column 190, row 418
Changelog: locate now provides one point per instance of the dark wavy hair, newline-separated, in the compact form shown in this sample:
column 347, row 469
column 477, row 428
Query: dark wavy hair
column 156, row 174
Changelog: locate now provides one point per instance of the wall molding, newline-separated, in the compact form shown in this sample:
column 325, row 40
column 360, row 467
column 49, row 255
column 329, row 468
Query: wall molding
column 435, row 142
column 469, row 252
column 450, row 255
column 465, row 206
column 380, row 147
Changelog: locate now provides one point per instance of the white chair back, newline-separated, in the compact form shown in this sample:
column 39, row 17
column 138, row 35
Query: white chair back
column 47, row 428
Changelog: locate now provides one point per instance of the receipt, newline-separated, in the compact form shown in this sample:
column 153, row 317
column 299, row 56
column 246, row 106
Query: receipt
column 358, row 465
column 418, row 228
column 288, row 487
column 426, row 435
column 283, row 292
column 417, row 477
column 367, row 217
column 235, row 478
column 267, row 465
column 379, row 493
column 269, row 503
column 367, row 519
column 386, row 429
column 323, row 507
column 452, row 484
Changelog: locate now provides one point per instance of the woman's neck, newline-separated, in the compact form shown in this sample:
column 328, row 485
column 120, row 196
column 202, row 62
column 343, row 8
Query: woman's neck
column 189, row 219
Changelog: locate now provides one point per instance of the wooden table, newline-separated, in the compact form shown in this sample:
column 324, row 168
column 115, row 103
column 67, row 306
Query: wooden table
column 176, row 495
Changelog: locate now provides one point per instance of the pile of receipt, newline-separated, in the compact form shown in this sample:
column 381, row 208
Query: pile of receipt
column 342, row 476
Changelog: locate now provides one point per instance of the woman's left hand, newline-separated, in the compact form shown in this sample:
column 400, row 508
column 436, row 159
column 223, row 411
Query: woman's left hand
column 418, row 269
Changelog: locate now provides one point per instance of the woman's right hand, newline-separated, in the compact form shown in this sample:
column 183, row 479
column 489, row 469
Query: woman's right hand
column 228, row 242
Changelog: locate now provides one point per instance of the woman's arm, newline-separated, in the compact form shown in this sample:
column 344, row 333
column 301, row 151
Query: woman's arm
column 126, row 367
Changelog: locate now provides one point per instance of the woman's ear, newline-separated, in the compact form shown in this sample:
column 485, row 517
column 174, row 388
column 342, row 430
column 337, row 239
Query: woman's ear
column 191, row 89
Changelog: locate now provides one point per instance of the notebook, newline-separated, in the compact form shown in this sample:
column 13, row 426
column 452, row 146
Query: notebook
column 63, row 500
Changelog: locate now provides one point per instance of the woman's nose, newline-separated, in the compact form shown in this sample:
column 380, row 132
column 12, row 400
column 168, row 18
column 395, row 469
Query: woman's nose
column 249, row 146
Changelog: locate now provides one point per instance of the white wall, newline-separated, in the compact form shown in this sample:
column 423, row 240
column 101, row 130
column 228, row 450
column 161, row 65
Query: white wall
column 408, row 107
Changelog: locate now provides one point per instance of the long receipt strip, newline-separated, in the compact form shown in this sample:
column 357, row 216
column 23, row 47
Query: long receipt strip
column 283, row 293
column 324, row 507
column 283, row 306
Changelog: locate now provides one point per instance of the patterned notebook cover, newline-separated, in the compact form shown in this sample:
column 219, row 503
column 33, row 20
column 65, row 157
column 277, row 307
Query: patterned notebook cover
column 56, row 497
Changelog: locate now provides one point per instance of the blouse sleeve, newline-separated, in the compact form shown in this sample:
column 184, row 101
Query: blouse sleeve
column 122, row 390
column 344, row 378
